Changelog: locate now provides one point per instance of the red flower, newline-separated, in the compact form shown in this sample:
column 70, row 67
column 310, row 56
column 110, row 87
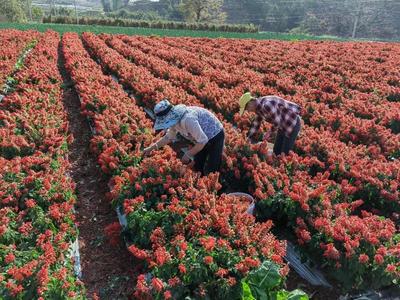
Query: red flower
column 141, row 286
column 174, row 281
column 277, row 258
column 138, row 187
column 9, row 258
column 182, row 268
column 222, row 272
column 391, row 268
column 161, row 256
column 363, row 258
column 47, row 184
column 331, row 252
column 378, row 259
column 208, row 260
column 167, row 295
column 157, row 284
column 138, row 253
column 157, row 237
column 231, row 281
column 208, row 243
column 30, row 203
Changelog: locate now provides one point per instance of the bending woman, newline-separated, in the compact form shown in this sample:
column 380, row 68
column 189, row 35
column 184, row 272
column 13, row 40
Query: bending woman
column 196, row 124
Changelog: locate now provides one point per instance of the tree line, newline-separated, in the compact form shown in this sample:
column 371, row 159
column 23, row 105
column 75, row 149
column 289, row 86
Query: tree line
column 343, row 18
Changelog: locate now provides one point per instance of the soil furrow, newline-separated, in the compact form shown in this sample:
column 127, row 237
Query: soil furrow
column 107, row 270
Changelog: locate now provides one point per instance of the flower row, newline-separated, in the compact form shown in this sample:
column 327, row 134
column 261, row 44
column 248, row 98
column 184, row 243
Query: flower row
column 332, row 76
column 334, row 61
column 36, row 198
column 13, row 42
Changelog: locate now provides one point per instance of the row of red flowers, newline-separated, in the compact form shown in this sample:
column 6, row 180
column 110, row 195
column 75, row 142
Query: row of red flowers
column 329, row 71
column 190, row 240
column 13, row 41
column 352, row 177
column 36, row 198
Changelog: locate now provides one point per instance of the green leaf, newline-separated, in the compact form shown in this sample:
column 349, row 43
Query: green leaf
column 263, row 280
column 280, row 295
column 266, row 277
column 285, row 295
column 246, row 292
column 297, row 295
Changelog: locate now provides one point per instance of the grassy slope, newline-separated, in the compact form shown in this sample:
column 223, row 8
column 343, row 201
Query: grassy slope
column 161, row 32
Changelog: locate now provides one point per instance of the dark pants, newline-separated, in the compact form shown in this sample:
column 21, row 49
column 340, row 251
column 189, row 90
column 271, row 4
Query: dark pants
column 213, row 151
column 284, row 144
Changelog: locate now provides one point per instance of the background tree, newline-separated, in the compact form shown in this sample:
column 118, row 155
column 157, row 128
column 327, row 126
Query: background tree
column 171, row 9
column 203, row 11
column 37, row 13
column 363, row 18
column 106, row 5
column 12, row 10
column 117, row 4
column 352, row 18
column 282, row 15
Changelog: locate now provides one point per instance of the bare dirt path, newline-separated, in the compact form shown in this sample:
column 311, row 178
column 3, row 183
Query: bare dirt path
column 107, row 270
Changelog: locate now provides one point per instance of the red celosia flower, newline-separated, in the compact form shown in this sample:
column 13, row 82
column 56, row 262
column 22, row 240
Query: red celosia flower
column 157, row 237
column 43, row 276
column 284, row 271
column 157, row 284
column 363, row 258
column 231, row 281
column 141, row 286
column 222, row 272
column 208, row 243
column 391, row 268
column 331, row 252
column 208, row 260
column 182, row 268
column 138, row 253
column 30, row 203
column 161, row 256
column 10, row 257
column 167, row 295
column 174, row 281
column 378, row 259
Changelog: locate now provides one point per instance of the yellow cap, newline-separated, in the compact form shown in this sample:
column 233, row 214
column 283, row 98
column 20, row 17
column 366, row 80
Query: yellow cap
column 243, row 102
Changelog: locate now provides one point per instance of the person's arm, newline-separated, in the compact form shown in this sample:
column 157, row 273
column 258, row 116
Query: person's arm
column 189, row 155
column 165, row 140
column 254, row 127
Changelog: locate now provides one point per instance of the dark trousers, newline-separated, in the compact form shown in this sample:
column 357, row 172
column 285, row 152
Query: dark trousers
column 211, row 151
column 284, row 144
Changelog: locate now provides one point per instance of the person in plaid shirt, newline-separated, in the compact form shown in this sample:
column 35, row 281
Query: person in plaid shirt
column 282, row 114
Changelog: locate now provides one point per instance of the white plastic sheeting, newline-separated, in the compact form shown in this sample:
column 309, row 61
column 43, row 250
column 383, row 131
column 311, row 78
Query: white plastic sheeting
column 74, row 253
column 312, row 275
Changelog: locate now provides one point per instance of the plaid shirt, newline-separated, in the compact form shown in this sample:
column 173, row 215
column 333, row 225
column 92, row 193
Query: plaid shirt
column 282, row 114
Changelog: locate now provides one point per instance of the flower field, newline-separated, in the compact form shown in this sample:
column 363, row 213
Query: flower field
column 336, row 196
